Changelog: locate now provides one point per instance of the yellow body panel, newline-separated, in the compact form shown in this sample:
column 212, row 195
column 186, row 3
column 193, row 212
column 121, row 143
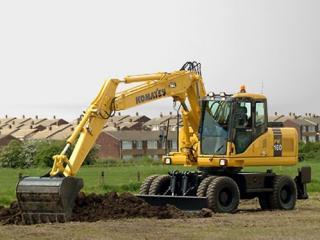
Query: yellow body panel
column 259, row 153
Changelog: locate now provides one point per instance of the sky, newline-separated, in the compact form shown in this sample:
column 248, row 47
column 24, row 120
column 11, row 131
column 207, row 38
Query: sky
column 55, row 55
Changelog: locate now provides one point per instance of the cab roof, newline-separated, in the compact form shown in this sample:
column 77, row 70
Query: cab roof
column 254, row 96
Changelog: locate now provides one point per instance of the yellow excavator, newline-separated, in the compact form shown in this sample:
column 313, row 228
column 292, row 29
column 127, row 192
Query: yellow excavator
column 221, row 134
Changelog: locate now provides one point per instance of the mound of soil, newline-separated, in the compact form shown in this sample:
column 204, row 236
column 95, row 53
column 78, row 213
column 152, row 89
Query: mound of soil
column 94, row 207
column 10, row 215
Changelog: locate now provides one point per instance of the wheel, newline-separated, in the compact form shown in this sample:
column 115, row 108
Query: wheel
column 223, row 195
column 160, row 185
column 203, row 186
column 284, row 193
column 264, row 201
column 144, row 188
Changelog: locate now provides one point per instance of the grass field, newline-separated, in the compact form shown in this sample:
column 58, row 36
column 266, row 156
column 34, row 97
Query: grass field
column 125, row 178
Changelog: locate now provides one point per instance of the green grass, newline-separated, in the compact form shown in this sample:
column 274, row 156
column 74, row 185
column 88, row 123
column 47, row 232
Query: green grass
column 125, row 177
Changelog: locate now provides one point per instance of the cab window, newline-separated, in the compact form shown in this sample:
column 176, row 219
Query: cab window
column 260, row 118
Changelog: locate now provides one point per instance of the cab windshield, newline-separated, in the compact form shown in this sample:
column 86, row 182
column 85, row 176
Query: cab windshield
column 215, row 125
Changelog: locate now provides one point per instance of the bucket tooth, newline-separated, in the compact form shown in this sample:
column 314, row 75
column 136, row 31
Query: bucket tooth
column 47, row 199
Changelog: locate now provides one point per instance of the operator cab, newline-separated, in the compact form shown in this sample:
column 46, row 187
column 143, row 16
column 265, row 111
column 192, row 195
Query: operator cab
column 240, row 119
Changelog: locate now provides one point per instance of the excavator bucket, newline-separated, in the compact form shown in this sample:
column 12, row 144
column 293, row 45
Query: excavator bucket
column 47, row 199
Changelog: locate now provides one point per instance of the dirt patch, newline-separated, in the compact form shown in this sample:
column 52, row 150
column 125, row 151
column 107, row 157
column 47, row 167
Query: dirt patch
column 94, row 207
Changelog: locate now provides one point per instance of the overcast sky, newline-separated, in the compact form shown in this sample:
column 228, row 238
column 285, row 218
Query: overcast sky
column 55, row 55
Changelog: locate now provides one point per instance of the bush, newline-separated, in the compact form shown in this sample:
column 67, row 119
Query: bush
column 309, row 151
column 37, row 154
column 12, row 156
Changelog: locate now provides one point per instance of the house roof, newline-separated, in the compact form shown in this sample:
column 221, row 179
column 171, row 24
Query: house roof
column 127, row 125
column 136, row 118
column 63, row 134
column 6, row 119
column 302, row 122
column 117, row 118
column 24, row 133
column 157, row 121
column 131, row 135
column 315, row 120
column 49, row 131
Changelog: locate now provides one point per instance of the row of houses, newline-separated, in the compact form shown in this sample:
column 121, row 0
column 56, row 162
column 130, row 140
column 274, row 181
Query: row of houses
column 307, row 125
column 126, row 136
column 123, row 136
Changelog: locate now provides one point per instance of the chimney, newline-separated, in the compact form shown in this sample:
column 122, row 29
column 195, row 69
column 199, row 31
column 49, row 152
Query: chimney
column 119, row 113
column 161, row 115
column 290, row 114
column 309, row 114
column 54, row 116
column 170, row 113
column 6, row 116
column 36, row 116
column 275, row 113
column 32, row 122
column 137, row 114
column 13, row 123
column 306, row 114
column 23, row 116
column 10, row 126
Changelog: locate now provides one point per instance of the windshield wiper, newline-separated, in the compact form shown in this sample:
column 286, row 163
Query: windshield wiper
column 219, row 148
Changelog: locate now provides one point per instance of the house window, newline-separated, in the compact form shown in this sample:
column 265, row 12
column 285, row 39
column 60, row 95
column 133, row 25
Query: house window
column 126, row 157
column 126, row 144
column 152, row 144
column 311, row 128
column 304, row 128
column 138, row 144
column 312, row 138
column 155, row 128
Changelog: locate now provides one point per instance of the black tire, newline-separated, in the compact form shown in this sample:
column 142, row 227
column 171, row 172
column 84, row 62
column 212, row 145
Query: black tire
column 160, row 185
column 284, row 193
column 145, row 186
column 223, row 195
column 264, row 201
column 203, row 186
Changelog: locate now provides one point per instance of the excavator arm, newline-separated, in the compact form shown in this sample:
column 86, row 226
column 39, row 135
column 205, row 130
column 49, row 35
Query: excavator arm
column 51, row 198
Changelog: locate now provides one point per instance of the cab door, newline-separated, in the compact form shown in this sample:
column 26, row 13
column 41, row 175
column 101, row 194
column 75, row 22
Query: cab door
column 250, row 123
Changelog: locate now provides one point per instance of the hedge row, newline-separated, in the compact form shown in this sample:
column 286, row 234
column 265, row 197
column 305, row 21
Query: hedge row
column 36, row 154
column 309, row 151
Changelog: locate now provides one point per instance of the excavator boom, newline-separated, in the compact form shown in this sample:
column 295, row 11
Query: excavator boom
column 50, row 198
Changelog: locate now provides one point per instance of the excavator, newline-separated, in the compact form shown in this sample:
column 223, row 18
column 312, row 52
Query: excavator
column 220, row 135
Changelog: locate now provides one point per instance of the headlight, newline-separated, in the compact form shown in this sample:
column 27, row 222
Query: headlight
column 167, row 161
column 223, row 162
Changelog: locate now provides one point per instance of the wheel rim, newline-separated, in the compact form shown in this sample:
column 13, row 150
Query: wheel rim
column 285, row 195
column 225, row 197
